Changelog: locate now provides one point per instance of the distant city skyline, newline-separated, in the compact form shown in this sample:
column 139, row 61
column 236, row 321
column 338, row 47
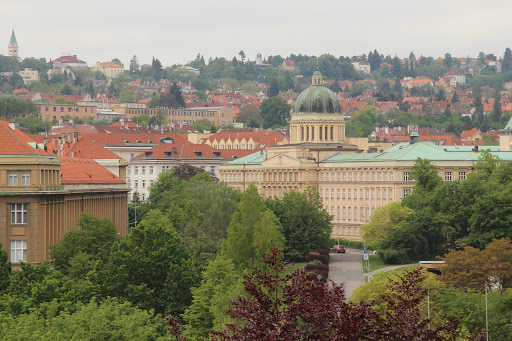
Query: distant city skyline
column 176, row 32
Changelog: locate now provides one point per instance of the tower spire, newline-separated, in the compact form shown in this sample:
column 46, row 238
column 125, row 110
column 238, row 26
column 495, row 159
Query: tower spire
column 13, row 45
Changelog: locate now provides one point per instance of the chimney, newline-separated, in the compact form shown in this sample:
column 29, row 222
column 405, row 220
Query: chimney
column 12, row 126
column 414, row 137
column 122, row 122
column 46, row 140
column 386, row 130
column 55, row 140
column 70, row 137
column 75, row 137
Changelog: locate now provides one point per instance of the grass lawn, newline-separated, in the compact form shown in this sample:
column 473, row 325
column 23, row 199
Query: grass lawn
column 375, row 263
column 299, row 265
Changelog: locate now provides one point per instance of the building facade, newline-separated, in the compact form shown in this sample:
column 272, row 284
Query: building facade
column 353, row 177
column 42, row 196
column 218, row 116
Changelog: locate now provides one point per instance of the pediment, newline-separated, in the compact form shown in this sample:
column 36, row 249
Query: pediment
column 281, row 160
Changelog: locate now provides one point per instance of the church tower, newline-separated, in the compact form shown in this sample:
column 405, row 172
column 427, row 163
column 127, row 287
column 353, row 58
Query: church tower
column 13, row 46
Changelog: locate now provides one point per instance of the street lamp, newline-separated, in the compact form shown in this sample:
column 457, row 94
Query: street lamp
column 338, row 226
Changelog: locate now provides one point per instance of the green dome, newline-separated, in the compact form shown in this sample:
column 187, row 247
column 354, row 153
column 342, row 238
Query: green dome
column 317, row 100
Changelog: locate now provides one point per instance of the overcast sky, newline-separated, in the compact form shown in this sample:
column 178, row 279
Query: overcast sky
column 176, row 31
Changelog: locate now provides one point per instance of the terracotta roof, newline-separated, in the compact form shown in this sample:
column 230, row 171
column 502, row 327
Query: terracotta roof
column 110, row 64
column 85, row 171
column 88, row 149
column 16, row 142
column 466, row 134
column 191, row 151
column 68, row 59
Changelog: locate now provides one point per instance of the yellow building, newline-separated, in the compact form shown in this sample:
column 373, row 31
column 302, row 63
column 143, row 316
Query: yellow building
column 42, row 195
column 353, row 176
column 109, row 69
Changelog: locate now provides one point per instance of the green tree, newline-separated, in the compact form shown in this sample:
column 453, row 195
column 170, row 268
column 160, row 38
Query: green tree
column 150, row 267
column 306, row 224
column 506, row 65
column 32, row 122
column 5, row 270
column 127, row 96
column 251, row 221
column 275, row 112
column 108, row 320
column 448, row 60
column 363, row 123
column 250, row 116
column 134, row 65
column 211, row 299
column 79, row 249
column 384, row 221
column 176, row 92
column 273, row 89
column 496, row 110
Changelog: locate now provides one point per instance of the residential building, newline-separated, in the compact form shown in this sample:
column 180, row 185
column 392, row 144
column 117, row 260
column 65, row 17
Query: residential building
column 459, row 76
column 53, row 111
column 219, row 116
column 362, row 67
column 42, row 195
column 29, row 75
column 109, row 69
column 64, row 62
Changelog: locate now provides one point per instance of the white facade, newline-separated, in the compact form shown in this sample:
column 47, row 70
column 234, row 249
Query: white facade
column 29, row 75
column 363, row 67
column 141, row 174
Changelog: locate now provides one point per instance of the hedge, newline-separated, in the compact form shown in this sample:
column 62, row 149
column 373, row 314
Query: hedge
column 322, row 258
column 315, row 267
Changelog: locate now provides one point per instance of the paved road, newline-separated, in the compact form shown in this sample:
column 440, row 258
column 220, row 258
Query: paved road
column 346, row 268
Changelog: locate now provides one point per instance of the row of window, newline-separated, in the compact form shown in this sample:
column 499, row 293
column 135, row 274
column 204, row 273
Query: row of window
column 349, row 193
column 351, row 213
column 356, row 176
column 151, row 169
column 235, row 146
column 13, row 176
column 447, row 176
column 136, row 183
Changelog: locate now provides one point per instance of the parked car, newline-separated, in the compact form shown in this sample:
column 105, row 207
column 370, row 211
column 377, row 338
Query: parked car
column 338, row 249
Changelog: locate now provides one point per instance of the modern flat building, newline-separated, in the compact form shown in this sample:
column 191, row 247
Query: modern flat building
column 52, row 111
column 352, row 176
column 42, row 195
column 219, row 116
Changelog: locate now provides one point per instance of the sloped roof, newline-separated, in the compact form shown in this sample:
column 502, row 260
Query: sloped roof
column 468, row 133
column 88, row 149
column 68, row 59
column 86, row 171
column 252, row 159
column 16, row 142
column 411, row 152
column 190, row 151
column 13, row 39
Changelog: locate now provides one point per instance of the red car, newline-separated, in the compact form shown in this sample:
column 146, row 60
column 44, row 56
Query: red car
column 338, row 249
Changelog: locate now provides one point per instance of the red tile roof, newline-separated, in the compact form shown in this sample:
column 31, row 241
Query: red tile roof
column 85, row 171
column 16, row 142
column 68, row 59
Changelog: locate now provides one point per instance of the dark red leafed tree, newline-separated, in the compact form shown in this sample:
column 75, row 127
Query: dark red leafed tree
column 280, row 304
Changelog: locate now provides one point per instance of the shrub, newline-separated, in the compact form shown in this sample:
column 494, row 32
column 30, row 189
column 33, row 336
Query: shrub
column 393, row 256
column 321, row 252
column 321, row 258
column 315, row 267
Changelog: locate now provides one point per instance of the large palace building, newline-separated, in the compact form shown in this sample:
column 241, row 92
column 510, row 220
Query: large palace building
column 352, row 176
